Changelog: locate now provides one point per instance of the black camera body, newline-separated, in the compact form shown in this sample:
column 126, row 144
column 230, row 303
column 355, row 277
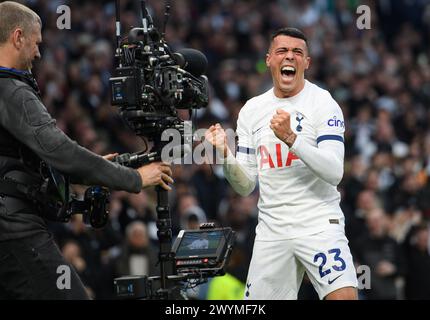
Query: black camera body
column 150, row 82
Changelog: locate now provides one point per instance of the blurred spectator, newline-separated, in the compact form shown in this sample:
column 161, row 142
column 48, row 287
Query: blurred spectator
column 193, row 218
column 355, row 222
column 189, row 214
column 137, row 207
column 382, row 254
column 137, row 256
column 210, row 190
column 417, row 250
column 240, row 216
column 72, row 254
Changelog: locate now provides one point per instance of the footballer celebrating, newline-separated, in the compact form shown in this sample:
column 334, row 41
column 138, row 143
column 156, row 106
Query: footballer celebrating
column 291, row 142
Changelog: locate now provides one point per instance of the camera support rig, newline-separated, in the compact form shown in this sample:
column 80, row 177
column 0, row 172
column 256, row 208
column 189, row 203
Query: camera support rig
column 148, row 86
column 164, row 222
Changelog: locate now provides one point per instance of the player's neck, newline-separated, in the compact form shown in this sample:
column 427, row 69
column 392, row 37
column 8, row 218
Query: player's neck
column 281, row 94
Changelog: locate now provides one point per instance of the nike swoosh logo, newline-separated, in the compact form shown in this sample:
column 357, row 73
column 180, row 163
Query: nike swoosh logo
column 254, row 132
column 331, row 281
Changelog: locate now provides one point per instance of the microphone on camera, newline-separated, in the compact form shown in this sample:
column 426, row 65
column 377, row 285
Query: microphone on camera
column 191, row 60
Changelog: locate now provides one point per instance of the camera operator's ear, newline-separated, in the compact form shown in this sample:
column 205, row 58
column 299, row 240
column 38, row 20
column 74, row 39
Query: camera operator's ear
column 18, row 38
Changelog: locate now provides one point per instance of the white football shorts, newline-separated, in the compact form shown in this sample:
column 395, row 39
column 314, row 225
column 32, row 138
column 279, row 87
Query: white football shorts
column 277, row 267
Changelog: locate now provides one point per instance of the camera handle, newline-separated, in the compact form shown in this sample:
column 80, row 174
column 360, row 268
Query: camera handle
column 164, row 222
column 164, row 233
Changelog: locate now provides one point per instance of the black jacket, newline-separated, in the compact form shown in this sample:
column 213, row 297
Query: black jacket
column 25, row 120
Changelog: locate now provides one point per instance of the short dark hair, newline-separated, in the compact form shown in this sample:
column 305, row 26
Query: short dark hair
column 14, row 15
column 291, row 32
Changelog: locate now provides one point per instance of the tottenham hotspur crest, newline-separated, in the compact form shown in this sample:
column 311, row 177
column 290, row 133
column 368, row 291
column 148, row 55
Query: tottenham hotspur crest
column 299, row 118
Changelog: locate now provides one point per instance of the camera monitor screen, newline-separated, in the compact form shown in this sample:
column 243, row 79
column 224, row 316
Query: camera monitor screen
column 201, row 243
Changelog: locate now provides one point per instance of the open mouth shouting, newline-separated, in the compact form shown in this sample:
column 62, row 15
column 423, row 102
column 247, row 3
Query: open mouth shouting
column 288, row 72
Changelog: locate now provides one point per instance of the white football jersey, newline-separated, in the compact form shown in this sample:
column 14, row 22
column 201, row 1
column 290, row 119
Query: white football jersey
column 293, row 200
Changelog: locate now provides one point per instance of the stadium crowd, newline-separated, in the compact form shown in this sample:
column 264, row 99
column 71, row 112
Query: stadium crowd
column 380, row 77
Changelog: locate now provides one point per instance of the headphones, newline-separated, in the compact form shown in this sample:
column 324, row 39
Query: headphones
column 22, row 76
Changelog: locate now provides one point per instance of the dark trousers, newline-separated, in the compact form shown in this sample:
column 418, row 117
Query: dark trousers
column 33, row 268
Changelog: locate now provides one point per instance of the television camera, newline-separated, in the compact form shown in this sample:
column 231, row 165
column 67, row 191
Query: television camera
column 149, row 85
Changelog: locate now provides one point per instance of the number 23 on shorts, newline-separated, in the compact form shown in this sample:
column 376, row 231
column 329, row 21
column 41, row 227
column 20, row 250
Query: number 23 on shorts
column 339, row 266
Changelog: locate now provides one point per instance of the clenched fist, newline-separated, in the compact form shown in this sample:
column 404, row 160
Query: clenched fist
column 280, row 124
column 156, row 174
column 217, row 137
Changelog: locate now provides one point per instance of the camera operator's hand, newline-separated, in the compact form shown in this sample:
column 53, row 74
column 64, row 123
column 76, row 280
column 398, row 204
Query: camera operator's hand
column 156, row 173
column 110, row 156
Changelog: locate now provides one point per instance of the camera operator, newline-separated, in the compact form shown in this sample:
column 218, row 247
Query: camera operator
column 29, row 258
